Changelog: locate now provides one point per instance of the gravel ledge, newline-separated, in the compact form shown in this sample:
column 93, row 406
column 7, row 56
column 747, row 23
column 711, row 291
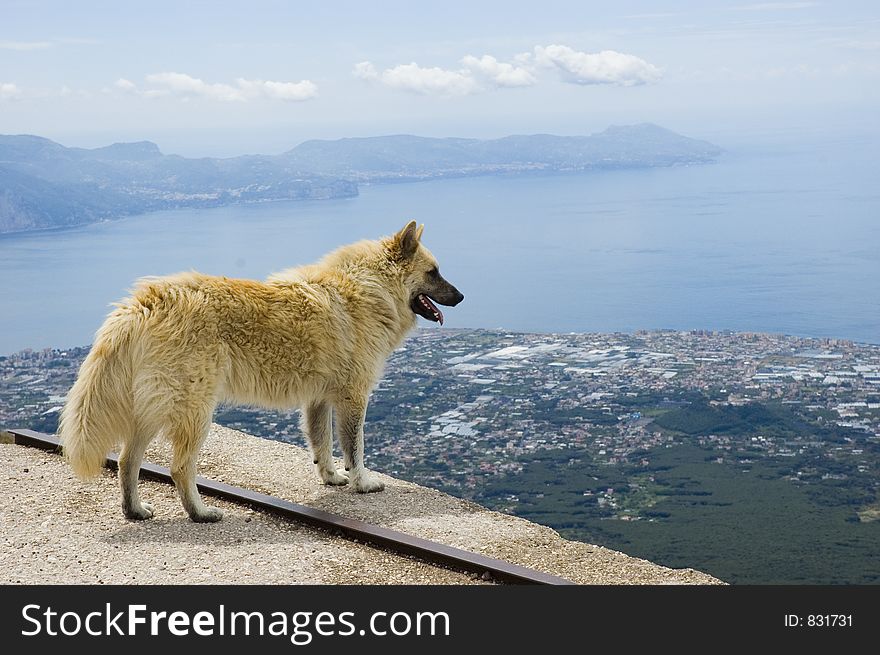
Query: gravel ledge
column 59, row 529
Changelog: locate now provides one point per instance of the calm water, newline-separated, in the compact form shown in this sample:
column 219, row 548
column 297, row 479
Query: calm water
column 778, row 242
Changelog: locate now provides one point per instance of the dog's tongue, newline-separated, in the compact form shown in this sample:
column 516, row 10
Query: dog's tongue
column 432, row 307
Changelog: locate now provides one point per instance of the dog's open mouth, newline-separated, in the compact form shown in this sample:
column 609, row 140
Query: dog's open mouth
column 423, row 306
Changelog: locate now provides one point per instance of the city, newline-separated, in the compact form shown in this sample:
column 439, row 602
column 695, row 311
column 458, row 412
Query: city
column 576, row 430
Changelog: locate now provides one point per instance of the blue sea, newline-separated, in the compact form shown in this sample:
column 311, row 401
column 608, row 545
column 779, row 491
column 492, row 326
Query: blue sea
column 779, row 239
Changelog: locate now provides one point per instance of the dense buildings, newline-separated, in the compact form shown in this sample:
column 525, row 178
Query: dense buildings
column 456, row 406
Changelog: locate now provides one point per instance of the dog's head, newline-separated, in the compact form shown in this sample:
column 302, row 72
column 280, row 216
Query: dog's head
column 421, row 274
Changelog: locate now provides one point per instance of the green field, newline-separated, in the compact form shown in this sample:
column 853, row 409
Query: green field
column 745, row 525
column 702, row 418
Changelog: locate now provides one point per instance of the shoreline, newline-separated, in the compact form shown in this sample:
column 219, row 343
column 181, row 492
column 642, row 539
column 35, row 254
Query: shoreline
column 551, row 333
column 376, row 180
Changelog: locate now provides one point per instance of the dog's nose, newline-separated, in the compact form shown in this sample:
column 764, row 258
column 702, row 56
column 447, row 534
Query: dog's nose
column 459, row 296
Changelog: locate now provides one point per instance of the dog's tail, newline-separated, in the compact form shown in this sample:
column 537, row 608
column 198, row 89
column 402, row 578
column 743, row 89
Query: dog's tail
column 99, row 409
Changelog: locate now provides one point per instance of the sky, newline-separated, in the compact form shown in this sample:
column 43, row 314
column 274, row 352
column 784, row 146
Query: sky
column 229, row 78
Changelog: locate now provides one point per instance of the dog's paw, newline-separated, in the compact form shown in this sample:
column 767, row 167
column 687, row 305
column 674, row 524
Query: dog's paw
column 207, row 515
column 145, row 511
column 335, row 478
column 367, row 484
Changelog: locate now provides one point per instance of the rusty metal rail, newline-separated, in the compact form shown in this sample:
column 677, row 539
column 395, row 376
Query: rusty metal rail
column 375, row 535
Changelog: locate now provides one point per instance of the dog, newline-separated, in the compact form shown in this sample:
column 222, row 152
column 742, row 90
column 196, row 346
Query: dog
column 314, row 337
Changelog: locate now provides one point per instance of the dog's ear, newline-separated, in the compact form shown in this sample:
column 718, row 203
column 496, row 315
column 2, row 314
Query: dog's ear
column 408, row 239
column 419, row 232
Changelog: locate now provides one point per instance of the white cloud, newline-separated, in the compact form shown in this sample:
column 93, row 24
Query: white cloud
column 156, row 93
column 9, row 91
column 25, row 45
column 184, row 85
column 605, row 67
column 499, row 73
column 366, row 71
column 67, row 92
column 125, row 85
column 483, row 73
column 414, row 78
column 476, row 74
column 294, row 91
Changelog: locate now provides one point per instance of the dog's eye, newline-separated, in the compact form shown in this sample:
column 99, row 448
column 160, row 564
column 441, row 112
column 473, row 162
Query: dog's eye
column 434, row 272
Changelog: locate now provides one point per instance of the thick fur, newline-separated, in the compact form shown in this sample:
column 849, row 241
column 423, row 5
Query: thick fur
column 315, row 337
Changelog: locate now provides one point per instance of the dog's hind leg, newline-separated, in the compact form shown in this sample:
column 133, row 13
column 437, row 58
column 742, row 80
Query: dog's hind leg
column 350, row 413
column 130, row 458
column 317, row 423
column 187, row 433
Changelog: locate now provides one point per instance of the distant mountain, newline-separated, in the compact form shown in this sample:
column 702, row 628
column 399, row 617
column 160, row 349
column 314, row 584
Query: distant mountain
column 386, row 158
column 46, row 185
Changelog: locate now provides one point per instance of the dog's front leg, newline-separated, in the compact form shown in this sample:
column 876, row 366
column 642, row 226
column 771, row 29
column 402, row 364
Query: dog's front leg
column 350, row 414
